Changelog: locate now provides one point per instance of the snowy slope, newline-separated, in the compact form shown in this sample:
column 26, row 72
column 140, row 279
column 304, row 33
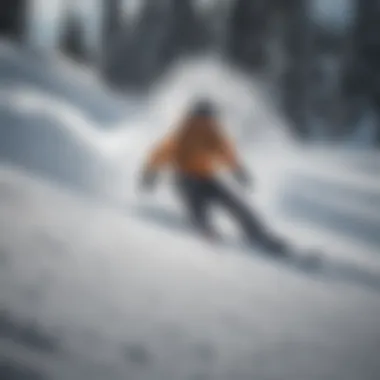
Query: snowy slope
column 125, row 300
column 59, row 122
column 95, row 291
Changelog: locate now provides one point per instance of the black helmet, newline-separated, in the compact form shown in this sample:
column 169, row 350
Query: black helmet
column 203, row 108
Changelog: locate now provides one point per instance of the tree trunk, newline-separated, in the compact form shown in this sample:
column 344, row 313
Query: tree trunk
column 248, row 29
column 112, row 20
column 296, row 82
column 13, row 18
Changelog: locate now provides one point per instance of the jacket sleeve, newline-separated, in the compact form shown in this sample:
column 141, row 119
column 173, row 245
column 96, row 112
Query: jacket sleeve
column 161, row 155
column 228, row 154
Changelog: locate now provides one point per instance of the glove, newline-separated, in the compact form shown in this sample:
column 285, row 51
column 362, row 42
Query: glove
column 242, row 178
column 148, row 181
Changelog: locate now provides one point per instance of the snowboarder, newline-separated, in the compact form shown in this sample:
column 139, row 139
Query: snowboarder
column 195, row 151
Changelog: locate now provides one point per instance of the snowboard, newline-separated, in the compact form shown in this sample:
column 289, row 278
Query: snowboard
column 312, row 261
column 298, row 258
column 303, row 259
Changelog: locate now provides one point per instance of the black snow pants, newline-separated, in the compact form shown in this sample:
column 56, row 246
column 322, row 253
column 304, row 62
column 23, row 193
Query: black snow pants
column 199, row 194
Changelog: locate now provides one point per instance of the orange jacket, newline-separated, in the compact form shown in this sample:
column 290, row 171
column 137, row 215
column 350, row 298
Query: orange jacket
column 197, row 148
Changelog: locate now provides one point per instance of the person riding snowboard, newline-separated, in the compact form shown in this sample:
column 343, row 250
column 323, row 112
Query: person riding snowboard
column 195, row 151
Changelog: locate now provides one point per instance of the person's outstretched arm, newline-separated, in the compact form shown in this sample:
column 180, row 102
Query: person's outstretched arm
column 160, row 156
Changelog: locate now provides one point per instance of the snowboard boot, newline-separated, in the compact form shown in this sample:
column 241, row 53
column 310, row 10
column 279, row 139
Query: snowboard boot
column 275, row 248
column 311, row 260
column 211, row 236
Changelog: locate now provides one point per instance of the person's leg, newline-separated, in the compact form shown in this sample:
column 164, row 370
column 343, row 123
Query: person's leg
column 254, row 229
column 195, row 196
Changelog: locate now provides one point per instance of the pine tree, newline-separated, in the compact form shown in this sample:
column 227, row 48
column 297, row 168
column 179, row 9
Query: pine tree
column 248, row 28
column 364, row 78
column 12, row 18
column 73, row 39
